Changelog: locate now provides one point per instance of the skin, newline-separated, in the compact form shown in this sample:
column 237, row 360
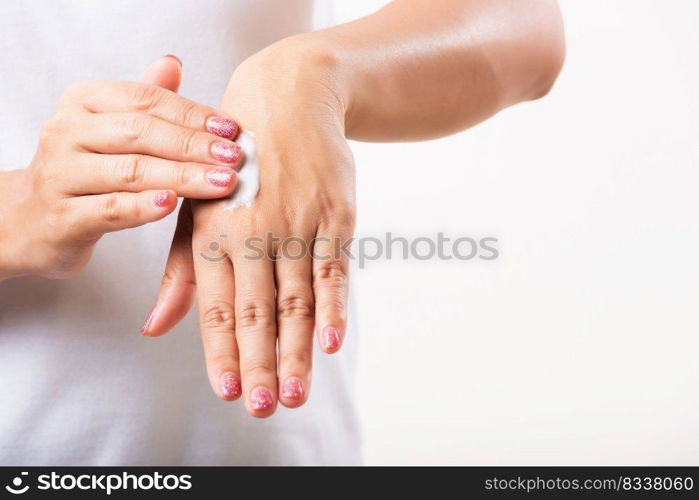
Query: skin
column 115, row 155
column 414, row 70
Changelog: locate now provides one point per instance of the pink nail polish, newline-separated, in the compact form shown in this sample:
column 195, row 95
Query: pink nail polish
column 330, row 339
column 229, row 383
column 220, row 177
column 222, row 127
column 161, row 198
column 149, row 320
column 172, row 56
column 227, row 152
column 260, row 399
column 292, row 388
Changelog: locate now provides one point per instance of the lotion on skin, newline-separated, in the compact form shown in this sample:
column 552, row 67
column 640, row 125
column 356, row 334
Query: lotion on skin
column 249, row 174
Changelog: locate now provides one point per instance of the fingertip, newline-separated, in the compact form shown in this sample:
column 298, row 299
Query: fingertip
column 293, row 392
column 260, row 402
column 173, row 56
column 174, row 301
column 229, row 387
column 330, row 340
column 154, row 332
column 162, row 203
column 145, row 328
column 222, row 127
column 291, row 404
column 153, row 325
column 165, row 199
column 224, row 179
column 228, row 153
column 261, row 414
column 165, row 72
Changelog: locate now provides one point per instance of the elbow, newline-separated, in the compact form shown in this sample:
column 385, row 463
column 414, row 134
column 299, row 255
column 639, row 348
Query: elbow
column 529, row 67
column 552, row 53
column 552, row 65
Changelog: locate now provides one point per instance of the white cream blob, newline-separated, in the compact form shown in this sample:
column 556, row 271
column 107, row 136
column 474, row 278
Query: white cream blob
column 249, row 174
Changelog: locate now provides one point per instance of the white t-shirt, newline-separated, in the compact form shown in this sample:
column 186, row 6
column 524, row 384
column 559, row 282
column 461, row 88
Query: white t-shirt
column 78, row 383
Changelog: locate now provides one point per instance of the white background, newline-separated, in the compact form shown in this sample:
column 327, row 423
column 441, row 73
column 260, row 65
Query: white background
column 579, row 345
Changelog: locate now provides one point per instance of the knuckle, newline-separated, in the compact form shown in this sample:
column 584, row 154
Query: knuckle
column 58, row 219
column 221, row 358
column 295, row 306
column 340, row 215
column 133, row 126
column 186, row 113
column 56, row 213
column 110, row 208
column 130, row 170
column 255, row 313
column 168, row 278
column 74, row 91
column 295, row 358
column 146, row 97
column 174, row 275
column 42, row 177
column 186, row 175
column 52, row 128
column 187, row 143
column 260, row 365
column 219, row 316
column 332, row 272
column 345, row 219
column 334, row 302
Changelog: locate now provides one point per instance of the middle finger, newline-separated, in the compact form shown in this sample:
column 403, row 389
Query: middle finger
column 121, row 133
column 256, row 332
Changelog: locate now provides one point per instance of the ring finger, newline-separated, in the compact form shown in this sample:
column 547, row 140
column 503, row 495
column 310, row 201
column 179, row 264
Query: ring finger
column 101, row 173
column 121, row 133
column 295, row 319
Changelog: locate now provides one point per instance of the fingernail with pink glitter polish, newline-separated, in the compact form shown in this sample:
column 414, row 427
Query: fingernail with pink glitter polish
column 220, row 177
column 161, row 198
column 292, row 388
column 229, row 384
column 226, row 152
column 260, row 398
column 222, row 127
column 330, row 339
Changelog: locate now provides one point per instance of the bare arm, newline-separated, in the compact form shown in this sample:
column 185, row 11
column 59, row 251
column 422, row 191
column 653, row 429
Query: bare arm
column 420, row 69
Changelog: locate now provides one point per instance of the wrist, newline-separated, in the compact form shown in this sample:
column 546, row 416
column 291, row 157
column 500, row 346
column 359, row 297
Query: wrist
column 299, row 73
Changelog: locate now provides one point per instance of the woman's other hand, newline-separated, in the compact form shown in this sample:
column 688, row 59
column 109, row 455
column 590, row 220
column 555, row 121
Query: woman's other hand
column 115, row 155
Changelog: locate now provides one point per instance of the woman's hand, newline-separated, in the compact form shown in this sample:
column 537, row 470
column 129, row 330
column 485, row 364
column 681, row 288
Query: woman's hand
column 115, row 155
column 411, row 71
column 258, row 283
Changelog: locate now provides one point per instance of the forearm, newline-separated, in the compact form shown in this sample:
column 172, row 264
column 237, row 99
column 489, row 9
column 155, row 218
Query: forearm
column 421, row 69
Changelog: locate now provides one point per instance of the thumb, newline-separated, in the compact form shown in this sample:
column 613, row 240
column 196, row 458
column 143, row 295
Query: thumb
column 166, row 72
column 178, row 286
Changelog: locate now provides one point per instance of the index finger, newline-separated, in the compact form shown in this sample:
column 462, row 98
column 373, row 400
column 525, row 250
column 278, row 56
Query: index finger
column 104, row 97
